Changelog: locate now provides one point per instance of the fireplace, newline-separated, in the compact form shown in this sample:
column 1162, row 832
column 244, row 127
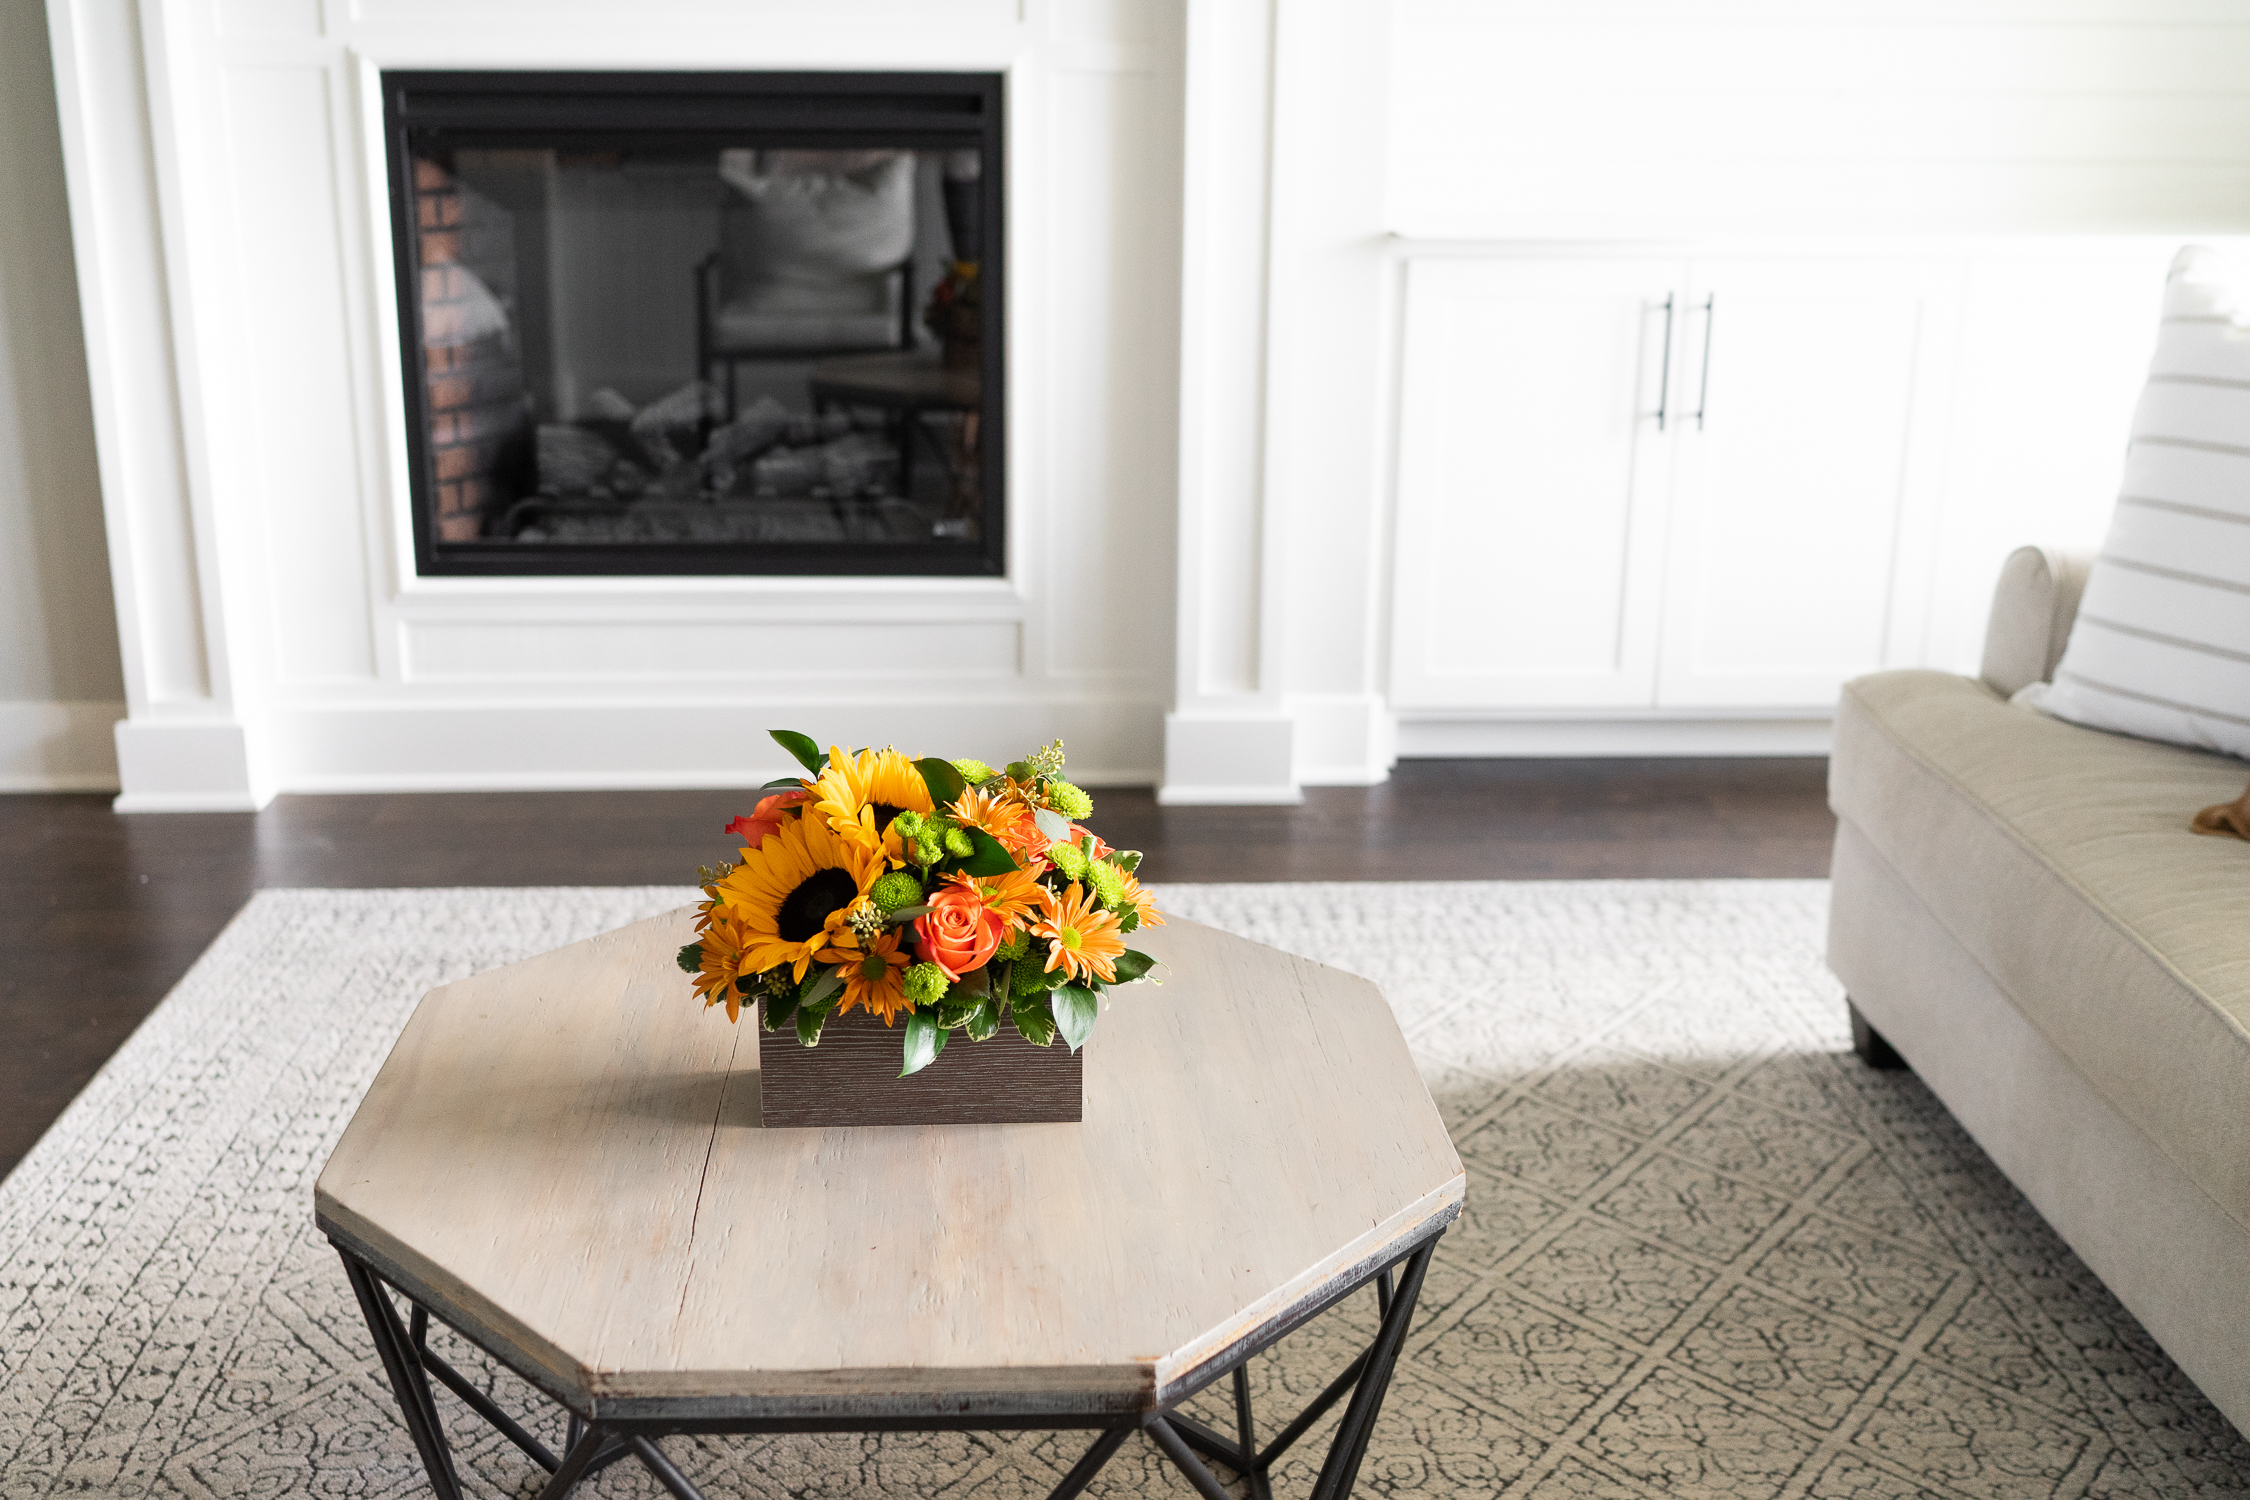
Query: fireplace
column 700, row 323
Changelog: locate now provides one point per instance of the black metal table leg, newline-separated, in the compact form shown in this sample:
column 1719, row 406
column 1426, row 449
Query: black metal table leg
column 576, row 1463
column 594, row 1444
column 1341, row 1470
column 1247, row 1433
column 1183, row 1458
column 1082, row 1472
column 407, row 1384
column 667, row 1473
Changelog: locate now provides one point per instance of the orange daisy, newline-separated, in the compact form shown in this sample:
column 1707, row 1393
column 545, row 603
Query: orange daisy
column 1143, row 902
column 874, row 975
column 722, row 939
column 1006, row 819
column 1014, row 896
column 1083, row 939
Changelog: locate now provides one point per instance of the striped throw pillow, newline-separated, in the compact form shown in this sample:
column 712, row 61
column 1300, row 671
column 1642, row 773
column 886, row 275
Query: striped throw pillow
column 2161, row 646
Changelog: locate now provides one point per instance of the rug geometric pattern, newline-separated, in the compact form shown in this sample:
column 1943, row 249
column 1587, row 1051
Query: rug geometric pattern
column 1705, row 1252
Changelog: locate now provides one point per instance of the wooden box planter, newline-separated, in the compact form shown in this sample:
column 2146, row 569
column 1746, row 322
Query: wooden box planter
column 851, row 1078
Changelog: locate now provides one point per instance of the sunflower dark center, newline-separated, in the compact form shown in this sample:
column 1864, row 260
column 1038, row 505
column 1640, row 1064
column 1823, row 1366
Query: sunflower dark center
column 805, row 910
column 884, row 812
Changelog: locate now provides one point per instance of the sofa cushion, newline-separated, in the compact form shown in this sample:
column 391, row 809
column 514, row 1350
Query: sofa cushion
column 2060, row 858
column 2161, row 646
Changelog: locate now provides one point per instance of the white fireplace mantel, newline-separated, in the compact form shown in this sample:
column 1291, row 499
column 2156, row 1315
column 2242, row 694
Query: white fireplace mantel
column 226, row 182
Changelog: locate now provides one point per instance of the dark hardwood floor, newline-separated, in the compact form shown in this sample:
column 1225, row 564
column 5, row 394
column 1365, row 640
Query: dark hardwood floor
column 101, row 914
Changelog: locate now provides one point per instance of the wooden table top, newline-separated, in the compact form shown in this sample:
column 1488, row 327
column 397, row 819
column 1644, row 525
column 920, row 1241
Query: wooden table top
column 563, row 1159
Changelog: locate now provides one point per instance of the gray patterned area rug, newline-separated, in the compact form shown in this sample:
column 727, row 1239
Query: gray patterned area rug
column 1706, row 1253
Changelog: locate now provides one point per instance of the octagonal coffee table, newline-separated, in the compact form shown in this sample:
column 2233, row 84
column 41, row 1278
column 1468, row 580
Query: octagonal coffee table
column 561, row 1160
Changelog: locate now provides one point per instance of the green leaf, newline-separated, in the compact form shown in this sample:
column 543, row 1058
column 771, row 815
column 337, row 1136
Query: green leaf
column 781, row 782
column 990, row 858
column 778, row 1012
column 1053, row 824
column 1132, row 965
column 983, row 1022
column 1033, row 1020
column 824, row 982
column 1075, row 1011
column 923, row 1039
column 1129, row 918
column 809, row 1022
column 955, row 1009
column 906, row 914
column 945, row 783
column 1127, row 860
column 690, row 959
column 802, row 747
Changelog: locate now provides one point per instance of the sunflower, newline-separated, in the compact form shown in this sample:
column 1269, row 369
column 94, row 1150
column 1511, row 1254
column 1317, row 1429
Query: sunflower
column 1084, row 940
column 721, row 941
column 860, row 794
column 792, row 892
column 1007, row 819
column 874, row 974
column 1015, row 895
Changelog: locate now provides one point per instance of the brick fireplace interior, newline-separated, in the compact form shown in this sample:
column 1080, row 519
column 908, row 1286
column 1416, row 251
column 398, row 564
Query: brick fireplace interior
column 693, row 323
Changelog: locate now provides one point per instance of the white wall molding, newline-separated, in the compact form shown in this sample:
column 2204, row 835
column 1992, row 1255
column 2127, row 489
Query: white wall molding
column 182, row 763
column 1423, row 737
column 276, row 634
column 1227, row 738
column 118, row 67
column 681, row 741
column 58, row 746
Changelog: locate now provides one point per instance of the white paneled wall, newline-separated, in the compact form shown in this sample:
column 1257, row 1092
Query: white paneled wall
column 1339, row 331
column 1624, row 117
column 1904, row 257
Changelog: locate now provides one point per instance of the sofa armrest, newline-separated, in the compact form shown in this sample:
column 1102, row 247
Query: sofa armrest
column 2032, row 608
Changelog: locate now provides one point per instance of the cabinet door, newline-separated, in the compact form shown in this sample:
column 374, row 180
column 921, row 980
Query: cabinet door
column 1804, row 495
column 1530, row 482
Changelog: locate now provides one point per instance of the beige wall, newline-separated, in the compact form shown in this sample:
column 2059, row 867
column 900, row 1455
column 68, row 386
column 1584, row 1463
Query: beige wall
column 58, row 631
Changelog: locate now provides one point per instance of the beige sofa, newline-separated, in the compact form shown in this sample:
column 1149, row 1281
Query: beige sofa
column 2020, row 910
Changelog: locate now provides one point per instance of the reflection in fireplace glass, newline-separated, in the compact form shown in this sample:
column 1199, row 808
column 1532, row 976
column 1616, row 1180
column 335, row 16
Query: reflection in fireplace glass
column 699, row 344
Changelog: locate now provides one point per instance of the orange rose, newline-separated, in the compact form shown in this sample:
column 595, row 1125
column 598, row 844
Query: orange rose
column 765, row 818
column 957, row 933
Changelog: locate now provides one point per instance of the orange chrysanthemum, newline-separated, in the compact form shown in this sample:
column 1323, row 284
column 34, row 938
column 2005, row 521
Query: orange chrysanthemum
column 1014, row 896
column 1083, row 940
column 1006, row 818
column 1143, row 903
column 874, row 974
column 722, row 940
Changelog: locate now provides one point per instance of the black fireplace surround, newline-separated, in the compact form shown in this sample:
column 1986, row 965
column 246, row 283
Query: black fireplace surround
column 701, row 323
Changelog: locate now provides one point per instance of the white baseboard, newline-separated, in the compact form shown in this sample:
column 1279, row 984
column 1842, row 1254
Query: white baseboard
column 1216, row 758
column 1449, row 738
column 1174, row 794
column 58, row 745
column 1343, row 739
column 189, row 765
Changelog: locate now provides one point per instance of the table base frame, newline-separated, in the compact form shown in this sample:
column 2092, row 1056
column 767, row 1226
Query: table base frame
column 593, row 1445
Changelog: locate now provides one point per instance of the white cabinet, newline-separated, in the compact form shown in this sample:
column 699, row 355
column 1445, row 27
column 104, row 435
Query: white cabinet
column 1805, row 484
column 1531, row 501
column 1664, row 483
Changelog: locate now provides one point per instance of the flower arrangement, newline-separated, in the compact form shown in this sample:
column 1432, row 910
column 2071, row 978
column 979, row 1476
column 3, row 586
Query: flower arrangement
column 944, row 892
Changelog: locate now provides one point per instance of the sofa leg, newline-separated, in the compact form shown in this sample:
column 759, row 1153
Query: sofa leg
column 1869, row 1043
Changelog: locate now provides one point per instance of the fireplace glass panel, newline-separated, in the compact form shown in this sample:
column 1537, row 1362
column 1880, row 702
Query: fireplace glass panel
column 758, row 350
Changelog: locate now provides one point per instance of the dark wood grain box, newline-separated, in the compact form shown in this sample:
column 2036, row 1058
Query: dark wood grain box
column 851, row 1078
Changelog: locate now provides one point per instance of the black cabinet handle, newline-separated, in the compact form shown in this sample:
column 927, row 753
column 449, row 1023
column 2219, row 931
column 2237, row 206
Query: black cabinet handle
column 1664, row 372
column 1703, row 397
